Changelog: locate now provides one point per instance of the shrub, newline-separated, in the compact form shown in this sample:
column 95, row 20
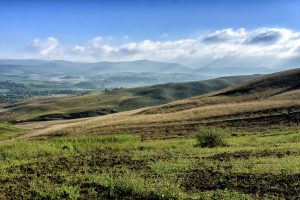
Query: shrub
column 211, row 137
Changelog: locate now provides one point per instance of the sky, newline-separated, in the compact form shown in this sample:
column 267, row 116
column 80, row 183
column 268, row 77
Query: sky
column 197, row 33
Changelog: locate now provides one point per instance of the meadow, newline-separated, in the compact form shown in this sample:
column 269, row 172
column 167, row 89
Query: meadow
column 262, row 165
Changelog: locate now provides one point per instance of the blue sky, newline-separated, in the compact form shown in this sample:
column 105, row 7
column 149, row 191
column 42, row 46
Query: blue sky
column 72, row 23
column 75, row 21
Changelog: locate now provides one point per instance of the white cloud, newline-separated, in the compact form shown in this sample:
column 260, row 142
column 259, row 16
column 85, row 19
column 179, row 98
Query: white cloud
column 225, row 35
column 45, row 47
column 267, row 47
column 79, row 49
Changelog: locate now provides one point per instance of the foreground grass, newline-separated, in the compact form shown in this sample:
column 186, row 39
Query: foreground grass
column 125, row 167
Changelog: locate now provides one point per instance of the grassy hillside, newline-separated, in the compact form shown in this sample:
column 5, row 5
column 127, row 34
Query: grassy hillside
column 281, row 85
column 158, row 156
column 272, row 106
column 8, row 131
column 49, row 108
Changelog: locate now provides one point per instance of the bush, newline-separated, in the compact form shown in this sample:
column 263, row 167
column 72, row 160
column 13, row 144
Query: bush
column 211, row 137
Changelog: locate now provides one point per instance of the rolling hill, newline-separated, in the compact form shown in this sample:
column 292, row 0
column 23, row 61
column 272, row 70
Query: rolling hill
column 267, row 102
column 274, row 86
column 263, row 115
column 95, row 104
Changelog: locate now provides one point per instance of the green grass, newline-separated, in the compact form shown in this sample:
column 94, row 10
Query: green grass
column 8, row 131
column 125, row 166
column 276, row 138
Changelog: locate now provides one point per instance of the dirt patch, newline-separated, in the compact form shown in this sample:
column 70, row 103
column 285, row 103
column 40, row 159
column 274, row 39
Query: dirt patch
column 10, row 188
column 116, row 192
column 247, row 154
column 57, row 171
column 75, row 115
column 261, row 122
column 205, row 178
column 92, row 160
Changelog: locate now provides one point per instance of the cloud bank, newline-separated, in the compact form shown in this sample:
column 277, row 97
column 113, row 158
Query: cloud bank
column 263, row 47
column 45, row 47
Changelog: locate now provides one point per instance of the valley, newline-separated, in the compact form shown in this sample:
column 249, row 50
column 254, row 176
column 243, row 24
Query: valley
column 149, row 149
column 102, row 103
column 21, row 79
column 149, row 100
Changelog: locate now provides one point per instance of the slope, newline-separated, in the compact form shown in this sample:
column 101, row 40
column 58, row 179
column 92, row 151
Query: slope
column 95, row 104
column 268, row 102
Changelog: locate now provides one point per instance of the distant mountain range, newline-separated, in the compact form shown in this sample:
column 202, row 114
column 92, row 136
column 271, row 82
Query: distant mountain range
column 96, row 69
column 138, row 66
column 99, row 75
column 91, row 69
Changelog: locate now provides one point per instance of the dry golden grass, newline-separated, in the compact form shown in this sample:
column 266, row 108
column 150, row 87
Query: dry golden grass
column 265, row 99
column 135, row 121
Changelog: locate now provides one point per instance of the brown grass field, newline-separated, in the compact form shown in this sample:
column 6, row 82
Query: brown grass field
column 267, row 102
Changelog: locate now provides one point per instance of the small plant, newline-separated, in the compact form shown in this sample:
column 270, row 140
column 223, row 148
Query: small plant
column 67, row 146
column 211, row 137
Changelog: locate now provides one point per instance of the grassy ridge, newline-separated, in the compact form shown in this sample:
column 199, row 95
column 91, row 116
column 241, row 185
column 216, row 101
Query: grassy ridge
column 280, row 86
column 124, row 166
column 95, row 104
column 272, row 105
